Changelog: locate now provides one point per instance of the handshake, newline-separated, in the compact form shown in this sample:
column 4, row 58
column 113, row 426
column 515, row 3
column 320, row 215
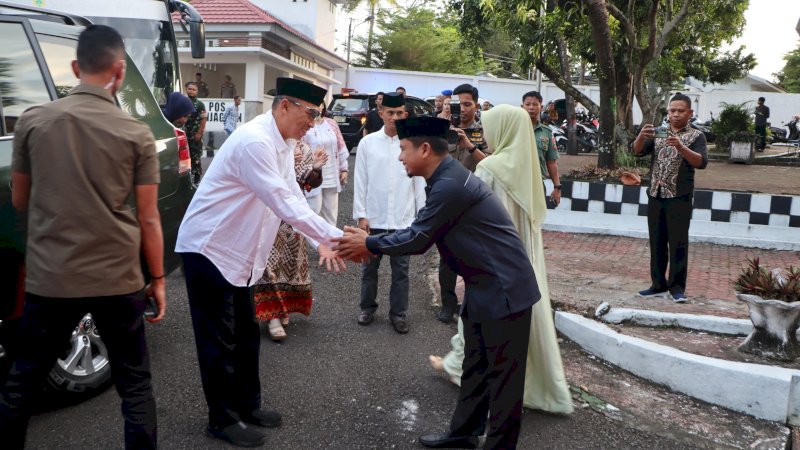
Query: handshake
column 352, row 247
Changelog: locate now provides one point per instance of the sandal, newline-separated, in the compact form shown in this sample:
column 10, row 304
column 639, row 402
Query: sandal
column 436, row 363
column 276, row 331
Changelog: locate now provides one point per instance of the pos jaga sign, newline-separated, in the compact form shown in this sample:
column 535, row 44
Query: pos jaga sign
column 215, row 108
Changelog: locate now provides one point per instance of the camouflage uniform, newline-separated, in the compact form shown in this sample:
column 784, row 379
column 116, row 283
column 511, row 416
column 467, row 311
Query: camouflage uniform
column 195, row 147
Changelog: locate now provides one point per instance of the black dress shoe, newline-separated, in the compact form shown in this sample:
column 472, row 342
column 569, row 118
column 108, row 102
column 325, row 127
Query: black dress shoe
column 400, row 325
column 239, row 435
column 263, row 418
column 445, row 440
column 365, row 317
column 445, row 315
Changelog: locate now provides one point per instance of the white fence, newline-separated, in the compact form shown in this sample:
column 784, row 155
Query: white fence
column 499, row 91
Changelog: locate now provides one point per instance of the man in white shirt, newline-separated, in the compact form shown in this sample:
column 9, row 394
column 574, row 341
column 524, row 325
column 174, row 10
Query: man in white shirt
column 230, row 118
column 386, row 199
column 225, row 240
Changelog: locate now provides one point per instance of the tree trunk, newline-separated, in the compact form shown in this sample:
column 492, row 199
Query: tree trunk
column 597, row 12
column 572, row 141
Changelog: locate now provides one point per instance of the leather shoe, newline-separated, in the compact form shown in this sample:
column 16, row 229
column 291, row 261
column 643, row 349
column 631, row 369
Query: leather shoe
column 263, row 418
column 365, row 318
column 445, row 440
column 400, row 325
column 445, row 315
column 239, row 435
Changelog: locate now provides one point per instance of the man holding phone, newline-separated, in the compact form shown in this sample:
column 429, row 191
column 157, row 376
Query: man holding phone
column 676, row 152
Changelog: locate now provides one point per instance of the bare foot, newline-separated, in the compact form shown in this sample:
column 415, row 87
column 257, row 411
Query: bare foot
column 436, row 363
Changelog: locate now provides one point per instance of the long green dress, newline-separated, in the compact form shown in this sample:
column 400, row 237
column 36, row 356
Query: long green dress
column 546, row 386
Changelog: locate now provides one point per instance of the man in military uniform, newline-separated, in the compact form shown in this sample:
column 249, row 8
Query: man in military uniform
column 195, row 127
column 545, row 144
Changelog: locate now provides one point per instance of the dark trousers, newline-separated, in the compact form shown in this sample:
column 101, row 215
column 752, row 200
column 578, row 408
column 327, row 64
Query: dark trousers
column 493, row 381
column 196, row 153
column 47, row 323
column 761, row 137
column 227, row 337
column 398, row 293
column 668, row 222
column 447, row 284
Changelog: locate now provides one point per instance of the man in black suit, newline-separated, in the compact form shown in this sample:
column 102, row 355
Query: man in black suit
column 477, row 239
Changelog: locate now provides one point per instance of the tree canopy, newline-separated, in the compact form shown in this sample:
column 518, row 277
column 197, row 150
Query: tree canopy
column 418, row 39
column 654, row 45
column 789, row 76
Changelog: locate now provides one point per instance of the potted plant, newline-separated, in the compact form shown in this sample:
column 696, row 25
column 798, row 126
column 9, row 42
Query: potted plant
column 773, row 299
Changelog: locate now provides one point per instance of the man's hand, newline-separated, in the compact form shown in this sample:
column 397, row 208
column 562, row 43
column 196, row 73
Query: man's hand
column 353, row 245
column 198, row 137
column 330, row 258
column 343, row 178
column 319, row 158
column 157, row 290
column 363, row 224
column 463, row 140
column 298, row 155
column 674, row 141
column 647, row 132
column 555, row 196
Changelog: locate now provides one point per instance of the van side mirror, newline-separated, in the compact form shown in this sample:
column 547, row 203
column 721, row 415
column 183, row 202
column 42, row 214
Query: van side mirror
column 197, row 28
column 197, row 37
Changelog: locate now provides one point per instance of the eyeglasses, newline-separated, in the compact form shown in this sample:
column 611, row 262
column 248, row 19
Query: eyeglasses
column 313, row 111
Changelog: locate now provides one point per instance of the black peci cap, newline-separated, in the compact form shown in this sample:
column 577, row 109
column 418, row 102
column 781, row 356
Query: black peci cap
column 299, row 89
column 393, row 100
column 422, row 126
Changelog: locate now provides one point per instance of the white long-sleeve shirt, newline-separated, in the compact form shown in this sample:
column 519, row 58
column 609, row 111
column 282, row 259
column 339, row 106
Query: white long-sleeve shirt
column 383, row 192
column 249, row 188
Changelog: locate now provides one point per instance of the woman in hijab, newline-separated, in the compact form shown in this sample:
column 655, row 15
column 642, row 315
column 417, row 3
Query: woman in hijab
column 178, row 109
column 512, row 172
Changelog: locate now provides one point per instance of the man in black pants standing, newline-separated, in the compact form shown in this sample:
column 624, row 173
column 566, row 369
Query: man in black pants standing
column 477, row 240
column 677, row 151
column 762, row 114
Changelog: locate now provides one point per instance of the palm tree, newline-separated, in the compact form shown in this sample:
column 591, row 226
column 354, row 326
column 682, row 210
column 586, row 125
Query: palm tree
column 351, row 5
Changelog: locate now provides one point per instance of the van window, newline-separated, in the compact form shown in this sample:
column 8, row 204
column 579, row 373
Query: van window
column 59, row 54
column 21, row 82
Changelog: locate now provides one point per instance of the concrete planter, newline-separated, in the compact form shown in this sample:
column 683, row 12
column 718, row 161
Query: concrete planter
column 775, row 325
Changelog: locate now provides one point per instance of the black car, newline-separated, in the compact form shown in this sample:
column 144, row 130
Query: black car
column 350, row 112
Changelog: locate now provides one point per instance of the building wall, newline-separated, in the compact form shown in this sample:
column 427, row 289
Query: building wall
column 214, row 75
column 499, row 91
column 314, row 18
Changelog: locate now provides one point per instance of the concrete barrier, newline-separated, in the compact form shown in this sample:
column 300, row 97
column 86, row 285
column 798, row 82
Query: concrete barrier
column 766, row 392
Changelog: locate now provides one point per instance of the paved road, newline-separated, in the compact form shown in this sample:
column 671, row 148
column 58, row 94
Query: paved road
column 339, row 385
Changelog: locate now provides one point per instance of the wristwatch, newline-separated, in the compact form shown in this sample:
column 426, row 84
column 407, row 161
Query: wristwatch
column 556, row 186
column 472, row 150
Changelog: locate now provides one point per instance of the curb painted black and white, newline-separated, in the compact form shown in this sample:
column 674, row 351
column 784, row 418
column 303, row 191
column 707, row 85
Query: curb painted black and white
column 732, row 218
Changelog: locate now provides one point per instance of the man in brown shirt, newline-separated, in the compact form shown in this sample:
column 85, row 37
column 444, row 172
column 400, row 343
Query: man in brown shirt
column 76, row 161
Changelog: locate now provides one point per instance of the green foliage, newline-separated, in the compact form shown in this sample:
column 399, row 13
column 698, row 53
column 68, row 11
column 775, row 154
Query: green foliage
column 777, row 284
column 419, row 39
column 789, row 76
column 628, row 160
column 734, row 123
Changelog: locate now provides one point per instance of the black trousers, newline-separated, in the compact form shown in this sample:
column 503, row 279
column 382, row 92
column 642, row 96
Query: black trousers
column 398, row 293
column 447, row 285
column 49, row 322
column 228, row 340
column 761, row 137
column 493, row 381
column 668, row 222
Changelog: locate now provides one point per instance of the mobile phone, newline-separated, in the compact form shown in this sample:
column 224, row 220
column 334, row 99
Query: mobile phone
column 662, row 133
column 150, row 310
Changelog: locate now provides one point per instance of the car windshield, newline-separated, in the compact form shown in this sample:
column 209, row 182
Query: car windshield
column 348, row 105
column 151, row 46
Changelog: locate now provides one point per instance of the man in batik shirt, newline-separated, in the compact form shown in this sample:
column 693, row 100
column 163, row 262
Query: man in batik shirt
column 677, row 150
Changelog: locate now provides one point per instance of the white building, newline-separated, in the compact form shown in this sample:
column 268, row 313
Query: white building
column 314, row 18
column 254, row 47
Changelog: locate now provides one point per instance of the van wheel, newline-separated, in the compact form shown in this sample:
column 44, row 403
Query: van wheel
column 83, row 368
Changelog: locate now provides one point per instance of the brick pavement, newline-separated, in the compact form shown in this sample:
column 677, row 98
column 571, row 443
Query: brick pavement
column 585, row 270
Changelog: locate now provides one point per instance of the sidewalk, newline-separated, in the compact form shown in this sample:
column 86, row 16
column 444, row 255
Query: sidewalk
column 584, row 270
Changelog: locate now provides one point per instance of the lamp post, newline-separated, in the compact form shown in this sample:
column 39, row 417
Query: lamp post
column 350, row 28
